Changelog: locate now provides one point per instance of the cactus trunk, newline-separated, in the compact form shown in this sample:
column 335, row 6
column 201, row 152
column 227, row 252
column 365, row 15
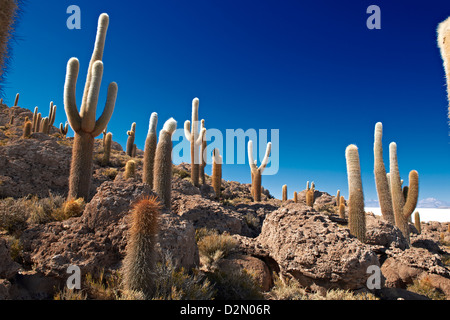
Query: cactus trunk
column 217, row 172
column 284, row 190
column 81, row 166
column 107, row 149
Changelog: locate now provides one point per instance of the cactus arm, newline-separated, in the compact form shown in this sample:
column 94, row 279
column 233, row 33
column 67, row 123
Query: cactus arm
column 187, row 130
column 70, row 104
column 251, row 161
column 413, row 194
column 97, row 54
column 88, row 112
column 266, row 157
column 153, row 122
column 102, row 122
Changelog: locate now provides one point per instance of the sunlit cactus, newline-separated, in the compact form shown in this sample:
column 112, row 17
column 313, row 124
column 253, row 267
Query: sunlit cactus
column 150, row 150
column 217, row 172
column 130, row 141
column 356, row 213
column 84, row 123
column 444, row 46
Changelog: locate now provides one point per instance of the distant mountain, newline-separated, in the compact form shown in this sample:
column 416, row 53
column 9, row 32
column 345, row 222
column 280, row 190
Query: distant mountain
column 424, row 203
column 433, row 203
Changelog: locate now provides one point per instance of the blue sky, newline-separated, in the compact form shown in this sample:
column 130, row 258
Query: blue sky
column 311, row 69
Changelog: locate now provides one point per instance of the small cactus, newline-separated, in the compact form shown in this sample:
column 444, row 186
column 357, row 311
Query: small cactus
column 162, row 180
column 130, row 141
column 51, row 117
column 284, row 190
column 295, row 197
column 256, row 172
column 44, row 125
column 27, row 129
column 342, row 207
column 16, row 100
column 150, row 149
column 35, row 116
column 338, row 197
column 310, row 197
column 107, row 149
column 64, row 129
column 217, row 172
column 141, row 255
column 356, row 213
column 195, row 138
column 417, row 223
column 130, row 169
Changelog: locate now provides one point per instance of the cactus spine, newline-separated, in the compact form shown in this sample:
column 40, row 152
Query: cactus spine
column 356, row 213
column 107, row 149
column 256, row 172
column 195, row 138
column 162, row 180
column 130, row 141
column 284, row 190
column 217, row 172
column 150, row 149
column 402, row 208
column 444, row 45
column 84, row 123
column 381, row 180
column 140, row 259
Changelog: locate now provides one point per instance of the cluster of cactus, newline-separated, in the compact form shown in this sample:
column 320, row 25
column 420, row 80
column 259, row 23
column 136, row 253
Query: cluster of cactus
column 84, row 123
column 396, row 203
column 256, row 172
column 41, row 124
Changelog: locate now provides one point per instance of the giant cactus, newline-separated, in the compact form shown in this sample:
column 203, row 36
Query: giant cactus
column 162, row 180
column 402, row 208
column 84, row 123
column 444, row 45
column 195, row 137
column 256, row 172
column 381, row 181
column 203, row 151
column 356, row 213
column 149, row 150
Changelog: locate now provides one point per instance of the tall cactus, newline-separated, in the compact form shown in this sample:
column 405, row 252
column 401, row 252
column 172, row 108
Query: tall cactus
column 141, row 255
column 257, row 171
column 444, row 45
column 217, row 172
column 150, row 149
column 84, row 123
column 203, row 151
column 381, row 181
column 35, row 115
column 338, row 197
column 51, row 117
column 130, row 141
column 356, row 213
column 195, row 137
column 162, row 180
column 402, row 208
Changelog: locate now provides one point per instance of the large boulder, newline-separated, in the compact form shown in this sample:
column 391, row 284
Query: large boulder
column 315, row 250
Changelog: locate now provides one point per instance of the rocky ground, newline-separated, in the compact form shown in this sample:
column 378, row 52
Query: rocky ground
column 277, row 242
